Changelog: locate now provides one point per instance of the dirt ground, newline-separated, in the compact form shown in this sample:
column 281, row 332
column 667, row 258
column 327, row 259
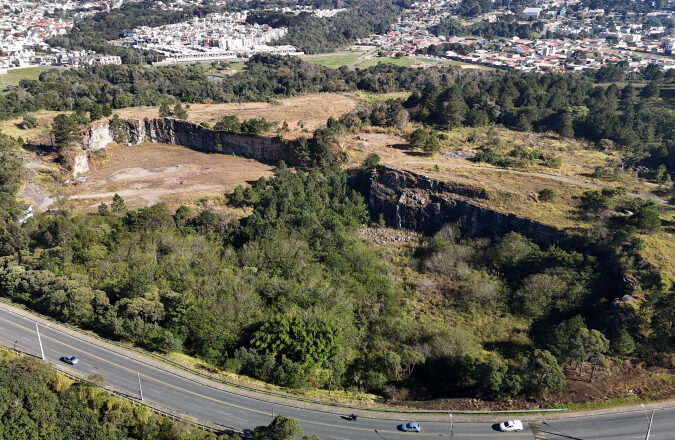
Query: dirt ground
column 151, row 173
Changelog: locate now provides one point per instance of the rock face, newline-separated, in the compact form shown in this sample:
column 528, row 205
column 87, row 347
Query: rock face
column 187, row 134
column 80, row 164
column 416, row 202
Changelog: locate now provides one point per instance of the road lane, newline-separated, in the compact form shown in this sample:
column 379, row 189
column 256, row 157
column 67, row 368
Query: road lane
column 243, row 412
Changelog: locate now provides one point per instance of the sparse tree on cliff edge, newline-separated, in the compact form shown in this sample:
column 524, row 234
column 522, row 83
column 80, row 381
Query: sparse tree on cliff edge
column 180, row 112
column 164, row 110
column 65, row 131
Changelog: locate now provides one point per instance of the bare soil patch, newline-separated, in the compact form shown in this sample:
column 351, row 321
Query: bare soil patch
column 151, row 173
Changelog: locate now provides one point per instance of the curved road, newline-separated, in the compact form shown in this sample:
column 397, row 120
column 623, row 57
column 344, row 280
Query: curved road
column 241, row 411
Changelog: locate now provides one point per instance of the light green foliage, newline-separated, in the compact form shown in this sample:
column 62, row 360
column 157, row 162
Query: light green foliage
column 289, row 336
column 36, row 402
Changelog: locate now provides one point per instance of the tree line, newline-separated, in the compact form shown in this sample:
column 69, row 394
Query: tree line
column 36, row 401
column 312, row 34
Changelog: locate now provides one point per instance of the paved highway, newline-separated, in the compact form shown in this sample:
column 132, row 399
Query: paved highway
column 182, row 393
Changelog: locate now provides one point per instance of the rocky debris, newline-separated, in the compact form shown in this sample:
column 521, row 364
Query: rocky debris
column 406, row 200
column 459, row 154
column 387, row 235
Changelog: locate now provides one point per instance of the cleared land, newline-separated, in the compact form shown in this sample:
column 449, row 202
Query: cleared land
column 12, row 127
column 151, row 173
column 303, row 114
column 336, row 60
column 15, row 75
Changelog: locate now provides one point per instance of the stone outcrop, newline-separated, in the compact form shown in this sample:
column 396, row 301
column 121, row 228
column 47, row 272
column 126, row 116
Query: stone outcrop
column 187, row 134
column 412, row 201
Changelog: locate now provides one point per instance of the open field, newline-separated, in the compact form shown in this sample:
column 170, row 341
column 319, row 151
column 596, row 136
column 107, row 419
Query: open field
column 15, row 75
column 334, row 61
column 510, row 190
column 151, row 173
column 386, row 60
column 12, row 127
column 301, row 113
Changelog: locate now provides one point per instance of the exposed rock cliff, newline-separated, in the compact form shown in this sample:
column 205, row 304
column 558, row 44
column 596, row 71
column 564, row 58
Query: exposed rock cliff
column 187, row 134
column 413, row 201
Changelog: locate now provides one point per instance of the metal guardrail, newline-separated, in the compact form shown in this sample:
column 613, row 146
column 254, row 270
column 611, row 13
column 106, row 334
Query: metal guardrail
column 262, row 390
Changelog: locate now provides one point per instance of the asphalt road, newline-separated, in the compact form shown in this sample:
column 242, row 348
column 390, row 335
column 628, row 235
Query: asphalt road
column 240, row 412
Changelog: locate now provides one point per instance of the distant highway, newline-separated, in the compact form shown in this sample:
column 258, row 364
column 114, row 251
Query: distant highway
column 190, row 395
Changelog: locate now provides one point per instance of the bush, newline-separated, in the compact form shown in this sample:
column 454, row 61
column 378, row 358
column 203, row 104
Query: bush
column 546, row 195
column 622, row 343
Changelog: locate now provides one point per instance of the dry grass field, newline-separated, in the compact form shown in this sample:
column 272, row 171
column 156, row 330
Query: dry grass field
column 12, row 127
column 301, row 113
column 510, row 190
column 151, row 173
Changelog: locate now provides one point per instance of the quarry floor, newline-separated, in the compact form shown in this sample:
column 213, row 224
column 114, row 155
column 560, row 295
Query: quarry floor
column 151, row 173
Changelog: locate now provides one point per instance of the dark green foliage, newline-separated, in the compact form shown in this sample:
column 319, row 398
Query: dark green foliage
column 622, row 343
column 290, row 296
column 179, row 112
column 281, row 428
column 36, row 404
column 424, row 140
column 543, row 373
column 370, row 161
column 571, row 341
column 29, row 121
column 647, row 217
column 65, row 130
column 165, row 110
column 229, row 124
column 314, row 35
column 594, row 202
column 546, row 195
column 506, row 26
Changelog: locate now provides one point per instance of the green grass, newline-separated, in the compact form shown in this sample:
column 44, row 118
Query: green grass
column 397, row 61
column 15, row 75
column 335, row 61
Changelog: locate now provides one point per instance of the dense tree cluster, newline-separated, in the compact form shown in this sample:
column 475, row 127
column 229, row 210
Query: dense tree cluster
column 569, row 104
column 37, row 402
column 507, row 26
column 312, row 34
column 266, row 78
column 12, row 237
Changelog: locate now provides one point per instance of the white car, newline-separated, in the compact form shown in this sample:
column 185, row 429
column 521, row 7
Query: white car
column 511, row 425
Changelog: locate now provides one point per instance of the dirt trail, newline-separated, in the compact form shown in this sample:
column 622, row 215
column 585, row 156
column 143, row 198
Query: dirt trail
column 32, row 191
